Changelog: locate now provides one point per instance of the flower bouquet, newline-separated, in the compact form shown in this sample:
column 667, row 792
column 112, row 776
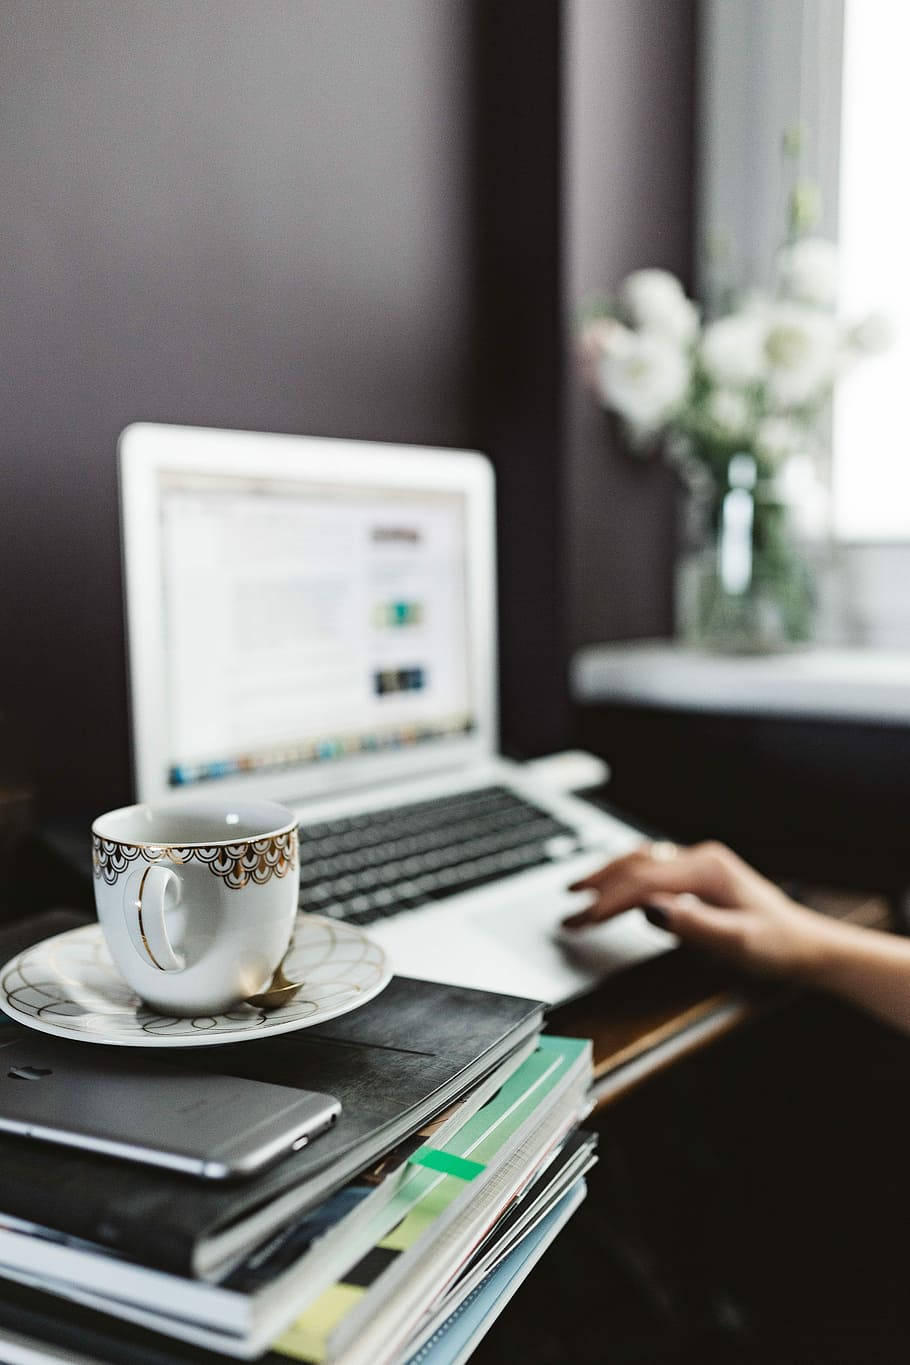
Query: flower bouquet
column 739, row 404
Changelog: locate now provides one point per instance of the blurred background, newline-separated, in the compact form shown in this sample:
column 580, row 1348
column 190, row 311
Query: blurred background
column 392, row 222
column 427, row 221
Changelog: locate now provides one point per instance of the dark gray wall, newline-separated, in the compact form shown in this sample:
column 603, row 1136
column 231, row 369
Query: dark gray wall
column 629, row 198
column 337, row 217
column 251, row 213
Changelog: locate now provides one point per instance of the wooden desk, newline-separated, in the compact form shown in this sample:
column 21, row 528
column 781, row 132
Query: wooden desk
column 646, row 1018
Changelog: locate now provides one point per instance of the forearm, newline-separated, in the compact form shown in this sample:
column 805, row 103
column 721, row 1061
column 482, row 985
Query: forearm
column 865, row 967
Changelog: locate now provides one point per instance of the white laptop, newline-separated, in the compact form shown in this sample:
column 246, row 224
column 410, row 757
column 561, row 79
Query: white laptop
column 314, row 620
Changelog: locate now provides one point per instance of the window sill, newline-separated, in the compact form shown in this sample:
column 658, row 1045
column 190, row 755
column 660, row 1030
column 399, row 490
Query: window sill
column 864, row 685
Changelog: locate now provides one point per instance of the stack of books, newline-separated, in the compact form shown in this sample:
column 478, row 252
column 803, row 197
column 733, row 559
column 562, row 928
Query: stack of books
column 399, row 1235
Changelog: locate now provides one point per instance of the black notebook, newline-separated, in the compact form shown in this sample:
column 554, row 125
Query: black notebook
column 394, row 1063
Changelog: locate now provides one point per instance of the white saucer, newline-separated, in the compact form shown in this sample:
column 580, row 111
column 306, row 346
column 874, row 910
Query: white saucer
column 69, row 986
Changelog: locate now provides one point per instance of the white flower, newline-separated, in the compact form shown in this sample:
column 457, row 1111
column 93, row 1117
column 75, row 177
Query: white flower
column 807, row 271
column 729, row 412
column 732, row 349
column 778, row 438
column 644, row 378
column 593, row 344
column 872, row 334
column 801, row 352
column 654, row 301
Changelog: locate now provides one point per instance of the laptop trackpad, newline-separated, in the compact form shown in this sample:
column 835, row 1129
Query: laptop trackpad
column 532, row 928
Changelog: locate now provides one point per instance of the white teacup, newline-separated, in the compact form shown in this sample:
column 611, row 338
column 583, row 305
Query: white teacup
column 197, row 900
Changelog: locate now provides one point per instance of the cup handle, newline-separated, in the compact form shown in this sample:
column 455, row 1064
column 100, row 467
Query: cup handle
column 145, row 896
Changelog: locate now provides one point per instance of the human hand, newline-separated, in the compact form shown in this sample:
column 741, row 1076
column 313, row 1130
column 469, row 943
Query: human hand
column 711, row 898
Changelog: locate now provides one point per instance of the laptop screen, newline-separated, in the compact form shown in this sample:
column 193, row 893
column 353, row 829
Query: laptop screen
column 305, row 622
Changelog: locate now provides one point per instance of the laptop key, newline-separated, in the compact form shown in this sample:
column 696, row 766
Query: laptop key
column 386, row 862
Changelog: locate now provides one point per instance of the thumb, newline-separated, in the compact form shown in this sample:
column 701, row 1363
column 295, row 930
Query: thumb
column 704, row 926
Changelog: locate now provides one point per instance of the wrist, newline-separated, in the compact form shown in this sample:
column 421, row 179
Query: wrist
column 826, row 948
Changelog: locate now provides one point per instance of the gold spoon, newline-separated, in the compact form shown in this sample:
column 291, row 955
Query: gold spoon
column 279, row 991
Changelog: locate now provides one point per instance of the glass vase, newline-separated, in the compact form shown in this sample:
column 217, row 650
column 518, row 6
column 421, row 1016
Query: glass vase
column 747, row 586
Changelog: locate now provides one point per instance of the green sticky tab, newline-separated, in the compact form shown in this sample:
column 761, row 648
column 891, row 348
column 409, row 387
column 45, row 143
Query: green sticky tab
column 436, row 1160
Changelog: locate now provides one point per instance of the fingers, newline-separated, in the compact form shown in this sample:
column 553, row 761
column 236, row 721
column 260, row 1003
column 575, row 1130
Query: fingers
column 708, row 870
column 622, row 892
column 704, row 926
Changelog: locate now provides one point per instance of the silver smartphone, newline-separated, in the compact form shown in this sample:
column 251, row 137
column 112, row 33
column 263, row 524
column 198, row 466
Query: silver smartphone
column 217, row 1127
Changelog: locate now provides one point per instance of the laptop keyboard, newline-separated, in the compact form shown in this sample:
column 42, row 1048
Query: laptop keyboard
column 370, row 866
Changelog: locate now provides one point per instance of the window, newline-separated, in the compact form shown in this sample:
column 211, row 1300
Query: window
column 871, row 427
column 838, row 68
